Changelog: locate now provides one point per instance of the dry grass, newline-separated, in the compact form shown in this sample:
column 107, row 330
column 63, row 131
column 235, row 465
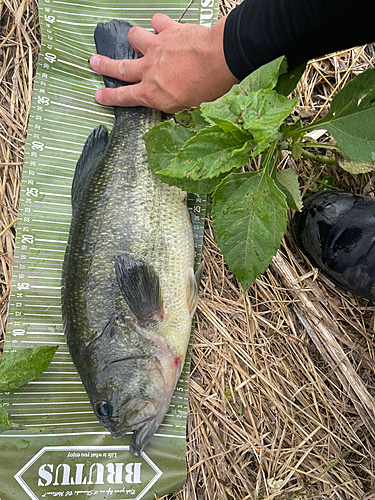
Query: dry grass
column 19, row 45
column 282, row 383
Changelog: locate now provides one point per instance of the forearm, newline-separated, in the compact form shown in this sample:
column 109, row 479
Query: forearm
column 258, row 31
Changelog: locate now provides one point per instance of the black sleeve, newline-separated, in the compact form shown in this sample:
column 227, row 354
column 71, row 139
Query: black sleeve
column 258, row 31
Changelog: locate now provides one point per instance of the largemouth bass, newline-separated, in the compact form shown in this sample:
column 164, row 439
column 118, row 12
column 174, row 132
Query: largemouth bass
column 129, row 291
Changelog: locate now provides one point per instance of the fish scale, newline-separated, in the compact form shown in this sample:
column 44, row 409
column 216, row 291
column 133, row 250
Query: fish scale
column 157, row 227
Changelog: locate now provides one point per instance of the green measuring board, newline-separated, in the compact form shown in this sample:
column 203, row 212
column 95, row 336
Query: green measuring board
column 59, row 448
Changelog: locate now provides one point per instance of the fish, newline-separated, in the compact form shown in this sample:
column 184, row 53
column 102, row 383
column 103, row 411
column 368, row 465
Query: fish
column 129, row 292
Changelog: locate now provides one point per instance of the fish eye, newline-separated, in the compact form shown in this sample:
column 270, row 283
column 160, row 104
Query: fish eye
column 103, row 409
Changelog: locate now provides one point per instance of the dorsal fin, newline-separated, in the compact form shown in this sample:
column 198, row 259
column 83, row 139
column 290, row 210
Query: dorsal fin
column 91, row 156
column 140, row 287
column 111, row 40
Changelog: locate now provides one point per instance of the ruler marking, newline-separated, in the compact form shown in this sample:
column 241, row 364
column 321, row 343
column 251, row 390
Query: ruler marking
column 177, row 7
column 52, row 413
column 78, row 77
column 44, row 342
column 45, row 277
column 52, row 403
column 59, row 242
column 82, row 25
column 64, row 160
column 44, row 174
column 89, row 128
column 50, row 148
column 86, row 47
column 65, row 132
column 87, row 119
column 42, row 230
column 55, row 194
column 50, row 221
column 57, row 167
column 63, row 105
column 47, row 315
column 75, row 56
column 64, row 186
column 39, row 249
column 55, row 424
column 64, row 141
column 89, row 70
column 88, row 101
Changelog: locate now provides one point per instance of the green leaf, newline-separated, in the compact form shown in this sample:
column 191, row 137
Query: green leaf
column 287, row 182
column 203, row 186
column 296, row 150
column 351, row 118
column 249, row 216
column 218, row 109
column 263, row 112
column 163, row 142
column 19, row 368
column 191, row 118
column 288, row 81
column 267, row 76
column 238, row 132
column 228, row 394
column 208, row 154
column 355, row 167
column 5, row 425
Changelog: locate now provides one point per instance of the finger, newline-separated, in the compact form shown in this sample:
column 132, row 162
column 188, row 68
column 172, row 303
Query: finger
column 121, row 96
column 161, row 22
column 127, row 70
column 140, row 39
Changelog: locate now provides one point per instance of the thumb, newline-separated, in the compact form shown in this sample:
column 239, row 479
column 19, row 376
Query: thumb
column 161, row 22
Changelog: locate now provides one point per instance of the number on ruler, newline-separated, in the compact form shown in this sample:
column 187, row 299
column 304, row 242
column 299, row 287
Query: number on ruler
column 49, row 57
column 23, row 286
column 43, row 99
column 18, row 331
column 27, row 238
column 49, row 19
column 31, row 192
column 37, row 145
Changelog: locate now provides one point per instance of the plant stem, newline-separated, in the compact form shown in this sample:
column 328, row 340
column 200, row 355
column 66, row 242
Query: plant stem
column 275, row 161
column 268, row 158
column 321, row 158
column 320, row 146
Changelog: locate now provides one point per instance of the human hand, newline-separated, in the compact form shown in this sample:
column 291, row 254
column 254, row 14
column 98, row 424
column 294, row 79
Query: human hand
column 179, row 66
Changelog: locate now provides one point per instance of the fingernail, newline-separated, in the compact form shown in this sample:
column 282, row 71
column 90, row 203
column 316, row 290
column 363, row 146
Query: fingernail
column 94, row 61
column 98, row 95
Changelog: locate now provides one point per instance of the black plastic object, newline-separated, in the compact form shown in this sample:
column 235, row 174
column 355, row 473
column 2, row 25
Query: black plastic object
column 336, row 230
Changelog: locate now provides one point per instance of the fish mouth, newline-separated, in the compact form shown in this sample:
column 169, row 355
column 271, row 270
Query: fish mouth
column 137, row 412
column 142, row 435
column 119, row 434
column 142, row 417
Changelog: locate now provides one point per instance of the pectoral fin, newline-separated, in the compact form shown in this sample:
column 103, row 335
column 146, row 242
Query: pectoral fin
column 140, row 287
column 191, row 291
column 199, row 273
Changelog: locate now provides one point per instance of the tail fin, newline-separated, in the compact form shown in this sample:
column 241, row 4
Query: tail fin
column 111, row 40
